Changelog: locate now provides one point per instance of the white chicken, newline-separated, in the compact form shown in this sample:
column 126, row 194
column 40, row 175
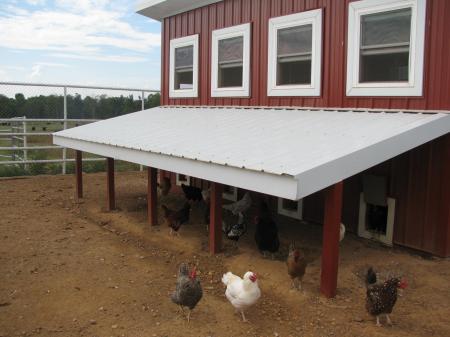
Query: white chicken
column 341, row 232
column 241, row 292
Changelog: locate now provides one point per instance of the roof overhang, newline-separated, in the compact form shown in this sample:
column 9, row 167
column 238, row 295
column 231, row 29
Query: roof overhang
column 160, row 9
column 288, row 153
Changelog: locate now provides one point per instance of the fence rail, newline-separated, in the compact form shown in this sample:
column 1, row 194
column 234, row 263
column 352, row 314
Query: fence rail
column 17, row 130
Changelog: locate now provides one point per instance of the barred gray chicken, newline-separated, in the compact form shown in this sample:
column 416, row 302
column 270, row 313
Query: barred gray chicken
column 188, row 291
column 241, row 205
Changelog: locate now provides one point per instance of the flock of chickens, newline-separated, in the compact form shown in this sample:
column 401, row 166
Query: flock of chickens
column 266, row 234
column 244, row 292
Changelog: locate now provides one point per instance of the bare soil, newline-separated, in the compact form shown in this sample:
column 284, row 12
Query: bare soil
column 73, row 269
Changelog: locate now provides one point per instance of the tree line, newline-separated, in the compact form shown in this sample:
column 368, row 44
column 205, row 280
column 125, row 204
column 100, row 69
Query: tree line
column 78, row 107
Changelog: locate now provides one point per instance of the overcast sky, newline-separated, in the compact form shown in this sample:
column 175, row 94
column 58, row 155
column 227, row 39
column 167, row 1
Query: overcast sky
column 88, row 42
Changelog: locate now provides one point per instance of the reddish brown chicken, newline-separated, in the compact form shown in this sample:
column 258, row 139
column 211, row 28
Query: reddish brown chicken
column 381, row 298
column 165, row 186
column 296, row 265
column 175, row 219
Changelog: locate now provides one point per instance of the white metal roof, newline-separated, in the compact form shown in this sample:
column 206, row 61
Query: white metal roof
column 283, row 152
column 160, row 9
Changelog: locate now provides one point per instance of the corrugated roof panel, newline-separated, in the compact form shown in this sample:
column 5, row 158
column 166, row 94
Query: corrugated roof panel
column 276, row 141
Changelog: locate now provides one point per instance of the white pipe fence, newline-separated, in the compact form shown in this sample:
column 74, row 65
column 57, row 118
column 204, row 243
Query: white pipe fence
column 17, row 130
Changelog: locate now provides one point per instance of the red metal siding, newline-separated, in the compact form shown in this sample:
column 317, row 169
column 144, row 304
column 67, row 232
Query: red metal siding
column 418, row 179
column 233, row 12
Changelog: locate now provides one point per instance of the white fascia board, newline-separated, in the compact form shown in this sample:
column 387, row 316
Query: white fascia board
column 160, row 9
column 346, row 166
column 283, row 186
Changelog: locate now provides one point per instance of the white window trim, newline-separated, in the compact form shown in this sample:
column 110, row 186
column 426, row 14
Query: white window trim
column 226, row 33
column 179, row 182
column 292, row 214
column 314, row 18
column 414, row 87
column 231, row 196
column 191, row 40
column 363, row 232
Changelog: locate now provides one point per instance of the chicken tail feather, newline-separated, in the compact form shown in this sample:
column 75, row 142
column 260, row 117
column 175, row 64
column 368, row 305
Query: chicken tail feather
column 227, row 278
column 371, row 277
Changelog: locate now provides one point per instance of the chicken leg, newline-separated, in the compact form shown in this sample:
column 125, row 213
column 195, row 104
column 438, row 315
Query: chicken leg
column 243, row 317
column 296, row 284
column 378, row 321
column 189, row 316
column 299, row 283
column 388, row 319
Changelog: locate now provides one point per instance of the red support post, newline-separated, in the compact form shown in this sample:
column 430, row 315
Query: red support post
column 215, row 224
column 110, row 184
column 79, row 174
column 152, row 215
column 330, row 244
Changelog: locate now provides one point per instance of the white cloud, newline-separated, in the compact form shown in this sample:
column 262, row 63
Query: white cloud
column 52, row 64
column 103, row 58
column 35, row 71
column 4, row 75
column 84, row 29
column 14, row 68
column 38, row 67
column 36, row 2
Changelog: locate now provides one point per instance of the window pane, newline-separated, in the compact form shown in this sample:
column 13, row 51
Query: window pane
column 231, row 53
column 386, row 28
column 294, row 47
column 231, row 50
column 294, row 40
column 228, row 189
column 384, row 68
column 385, row 41
column 184, row 61
column 290, row 205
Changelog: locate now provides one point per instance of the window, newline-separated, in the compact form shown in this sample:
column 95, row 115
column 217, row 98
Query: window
column 290, row 208
column 183, row 179
column 230, row 57
column 184, row 67
column 295, row 48
column 229, row 192
column 385, row 48
column 376, row 221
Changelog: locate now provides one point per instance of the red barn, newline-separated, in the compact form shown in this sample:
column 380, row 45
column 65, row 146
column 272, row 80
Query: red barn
column 340, row 109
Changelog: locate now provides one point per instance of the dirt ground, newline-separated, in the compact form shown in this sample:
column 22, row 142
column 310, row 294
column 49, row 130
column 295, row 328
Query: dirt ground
column 73, row 269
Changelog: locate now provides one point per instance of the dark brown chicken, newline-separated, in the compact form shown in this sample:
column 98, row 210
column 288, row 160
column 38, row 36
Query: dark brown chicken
column 192, row 193
column 381, row 298
column 175, row 219
column 266, row 233
column 188, row 291
column 296, row 265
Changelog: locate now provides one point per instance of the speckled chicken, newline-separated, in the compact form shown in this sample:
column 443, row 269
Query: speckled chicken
column 381, row 298
column 175, row 219
column 188, row 291
column 296, row 266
